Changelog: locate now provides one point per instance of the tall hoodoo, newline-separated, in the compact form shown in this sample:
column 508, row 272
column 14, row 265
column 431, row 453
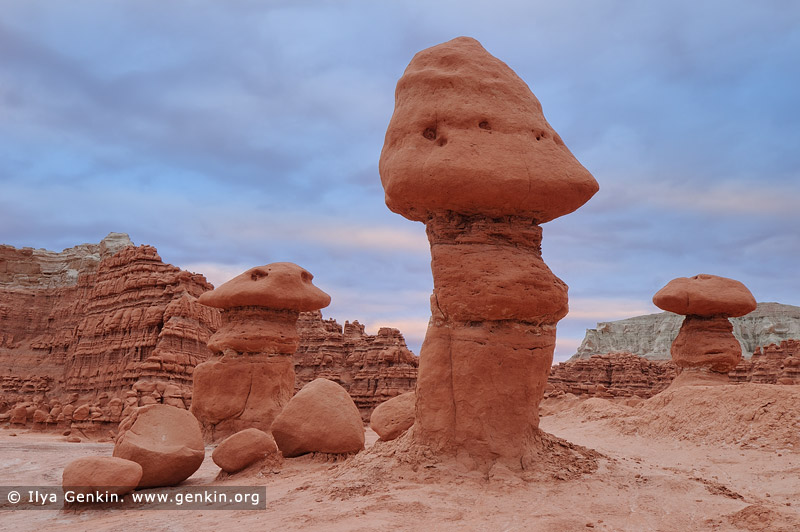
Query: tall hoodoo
column 705, row 347
column 469, row 153
column 254, row 378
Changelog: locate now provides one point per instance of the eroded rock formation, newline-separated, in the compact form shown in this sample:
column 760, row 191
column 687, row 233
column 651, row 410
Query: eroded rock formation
column 252, row 378
column 469, row 153
column 90, row 333
column 771, row 364
column 611, row 375
column 97, row 328
column 705, row 348
column 372, row 368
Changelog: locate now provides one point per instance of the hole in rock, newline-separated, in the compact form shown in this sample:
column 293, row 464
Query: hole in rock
column 258, row 274
column 429, row 133
column 484, row 125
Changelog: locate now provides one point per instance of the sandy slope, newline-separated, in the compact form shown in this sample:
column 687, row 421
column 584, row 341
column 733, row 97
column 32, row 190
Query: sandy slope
column 646, row 479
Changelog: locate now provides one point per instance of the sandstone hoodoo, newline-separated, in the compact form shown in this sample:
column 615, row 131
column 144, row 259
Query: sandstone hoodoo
column 253, row 376
column 469, row 153
column 320, row 418
column 705, row 347
column 165, row 440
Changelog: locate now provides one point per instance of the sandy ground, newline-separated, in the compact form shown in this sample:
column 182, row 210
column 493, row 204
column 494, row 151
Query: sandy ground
column 641, row 483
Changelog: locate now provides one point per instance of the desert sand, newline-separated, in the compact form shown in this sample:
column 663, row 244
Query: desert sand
column 650, row 472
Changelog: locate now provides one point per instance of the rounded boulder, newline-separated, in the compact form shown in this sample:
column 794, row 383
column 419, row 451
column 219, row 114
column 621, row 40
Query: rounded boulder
column 101, row 474
column 165, row 440
column 393, row 417
column 321, row 417
column 243, row 449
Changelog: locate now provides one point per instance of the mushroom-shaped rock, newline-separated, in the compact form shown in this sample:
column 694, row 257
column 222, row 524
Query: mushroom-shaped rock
column 245, row 448
column 321, row 417
column 469, row 153
column 705, row 347
column 259, row 320
column 101, row 474
column 468, row 135
column 393, row 417
column 166, row 441
column 281, row 286
column 705, row 295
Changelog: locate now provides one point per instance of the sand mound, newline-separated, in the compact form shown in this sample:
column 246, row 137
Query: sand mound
column 757, row 517
column 396, row 460
column 749, row 415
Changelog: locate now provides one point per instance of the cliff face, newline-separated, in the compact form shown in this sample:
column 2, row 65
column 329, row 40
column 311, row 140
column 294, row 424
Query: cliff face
column 372, row 368
column 100, row 328
column 80, row 328
column 652, row 335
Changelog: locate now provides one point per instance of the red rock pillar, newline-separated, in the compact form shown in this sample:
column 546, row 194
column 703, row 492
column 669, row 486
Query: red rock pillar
column 489, row 346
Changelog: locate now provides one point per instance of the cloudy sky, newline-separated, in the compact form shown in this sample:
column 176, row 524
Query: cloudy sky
column 234, row 134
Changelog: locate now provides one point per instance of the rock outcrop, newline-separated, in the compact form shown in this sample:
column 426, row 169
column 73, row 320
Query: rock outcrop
column 252, row 376
column 652, row 335
column 771, row 364
column 469, row 153
column 372, row 368
column 104, row 325
column 611, row 375
column 705, row 348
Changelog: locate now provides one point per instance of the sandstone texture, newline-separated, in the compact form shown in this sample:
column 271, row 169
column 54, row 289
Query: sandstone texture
column 705, row 347
column 103, row 474
column 651, row 336
column 320, row 418
column 469, row 153
column 392, row 418
column 107, row 325
column 245, row 448
column 254, row 378
column 372, row 368
column 165, row 440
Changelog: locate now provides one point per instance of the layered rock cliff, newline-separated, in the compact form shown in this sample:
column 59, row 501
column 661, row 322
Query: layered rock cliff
column 651, row 336
column 99, row 328
column 372, row 368
column 611, row 375
column 82, row 327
